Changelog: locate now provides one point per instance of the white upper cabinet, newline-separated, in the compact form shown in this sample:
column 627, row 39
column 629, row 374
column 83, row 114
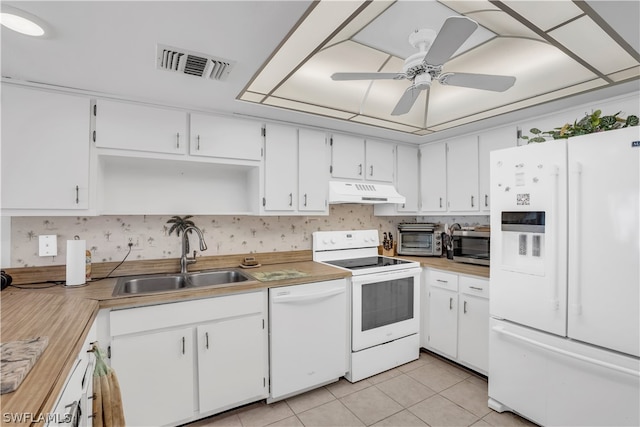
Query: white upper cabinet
column 313, row 171
column 489, row 141
column 347, row 157
column 128, row 126
column 433, row 177
column 45, row 150
column 380, row 158
column 281, row 168
column 225, row 137
column 462, row 174
column 407, row 177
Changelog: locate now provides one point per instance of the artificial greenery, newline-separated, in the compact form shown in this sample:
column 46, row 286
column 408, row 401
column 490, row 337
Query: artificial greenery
column 590, row 123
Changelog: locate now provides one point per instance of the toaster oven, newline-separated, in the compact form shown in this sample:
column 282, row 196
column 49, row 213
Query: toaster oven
column 419, row 239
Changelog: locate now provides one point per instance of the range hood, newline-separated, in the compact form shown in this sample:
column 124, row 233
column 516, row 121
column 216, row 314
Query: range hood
column 361, row 192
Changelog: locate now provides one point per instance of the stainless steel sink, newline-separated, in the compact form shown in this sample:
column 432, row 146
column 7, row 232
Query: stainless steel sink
column 219, row 277
column 173, row 282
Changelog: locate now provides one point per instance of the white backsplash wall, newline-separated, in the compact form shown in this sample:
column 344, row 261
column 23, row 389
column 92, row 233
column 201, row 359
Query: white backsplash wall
column 107, row 236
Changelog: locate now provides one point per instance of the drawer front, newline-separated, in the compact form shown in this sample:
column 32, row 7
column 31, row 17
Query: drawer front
column 443, row 280
column 474, row 286
column 139, row 319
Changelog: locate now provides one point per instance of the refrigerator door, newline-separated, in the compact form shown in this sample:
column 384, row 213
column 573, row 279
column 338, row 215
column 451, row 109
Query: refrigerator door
column 604, row 236
column 528, row 236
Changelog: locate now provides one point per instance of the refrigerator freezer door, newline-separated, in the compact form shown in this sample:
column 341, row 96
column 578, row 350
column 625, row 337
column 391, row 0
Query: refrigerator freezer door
column 528, row 235
column 604, row 236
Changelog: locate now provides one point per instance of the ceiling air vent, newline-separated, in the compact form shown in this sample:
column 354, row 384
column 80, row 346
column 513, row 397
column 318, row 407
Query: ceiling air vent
column 192, row 63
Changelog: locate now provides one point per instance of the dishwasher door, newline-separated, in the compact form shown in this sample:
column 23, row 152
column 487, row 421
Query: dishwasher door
column 309, row 333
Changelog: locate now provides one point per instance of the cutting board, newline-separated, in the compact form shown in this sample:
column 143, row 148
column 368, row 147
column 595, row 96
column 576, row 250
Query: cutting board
column 17, row 359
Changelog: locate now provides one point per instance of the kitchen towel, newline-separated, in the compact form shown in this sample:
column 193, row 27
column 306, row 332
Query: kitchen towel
column 18, row 357
column 107, row 402
column 267, row 276
column 76, row 262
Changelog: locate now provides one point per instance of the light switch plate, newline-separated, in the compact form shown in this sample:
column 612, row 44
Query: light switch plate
column 48, row 245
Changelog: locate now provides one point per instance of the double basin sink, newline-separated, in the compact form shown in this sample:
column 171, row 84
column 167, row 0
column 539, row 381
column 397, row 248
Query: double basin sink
column 173, row 282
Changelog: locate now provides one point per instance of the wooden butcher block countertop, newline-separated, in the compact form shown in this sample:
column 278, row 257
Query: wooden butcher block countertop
column 65, row 321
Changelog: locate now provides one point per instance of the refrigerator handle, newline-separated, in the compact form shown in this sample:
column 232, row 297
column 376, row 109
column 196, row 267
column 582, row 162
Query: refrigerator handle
column 575, row 171
column 501, row 330
column 555, row 301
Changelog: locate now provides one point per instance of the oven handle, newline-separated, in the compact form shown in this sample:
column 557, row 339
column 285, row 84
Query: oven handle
column 281, row 299
column 387, row 275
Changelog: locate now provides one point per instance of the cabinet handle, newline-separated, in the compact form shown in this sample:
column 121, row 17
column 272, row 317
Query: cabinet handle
column 464, row 307
column 183, row 345
column 486, row 200
column 360, row 169
column 206, row 337
column 77, row 195
column 290, row 199
column 450, row 303
column 442, row 281
column 440, row 201
column 178, row 140
column 371, row 171
column 305, row 199
column 476, row 288
column 472, row 201
column 198, row 147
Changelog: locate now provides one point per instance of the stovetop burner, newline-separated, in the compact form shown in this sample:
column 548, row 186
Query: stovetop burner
column 367, row 262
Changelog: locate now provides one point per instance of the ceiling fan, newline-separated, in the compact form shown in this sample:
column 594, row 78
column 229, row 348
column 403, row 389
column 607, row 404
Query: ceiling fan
column 426, row 65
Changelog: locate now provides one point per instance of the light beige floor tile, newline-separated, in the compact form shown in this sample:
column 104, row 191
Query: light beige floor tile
column 405, row 390
column 371, row 405
column 222, row 420
column 401, row 419
column 343, row 387
column 384, row 376
column 435, row 376
column 450, row 367
column 471, row 397
column 438, row 411
column 481, row 423
column 288, row 422
column 332, row 414
column 310, row 399
column 479, row 381
column 412, row 365
column 506, row 419
column 263, row 414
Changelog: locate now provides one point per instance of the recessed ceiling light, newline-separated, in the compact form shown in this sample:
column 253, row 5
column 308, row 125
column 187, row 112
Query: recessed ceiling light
column 22, row 22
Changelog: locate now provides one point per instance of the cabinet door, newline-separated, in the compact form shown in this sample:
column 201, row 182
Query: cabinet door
column 380, row 161
column 142, row 363
column 433, row 177
column 347, row 157
column 225, row 137
column 128, row 126
column 280, row 168
column 45, row 150
column 407, row 177
column 443, row 321
column 462, row 174
column 232, row 357
column 473, row 331
column 487, row 142
column 313, row 171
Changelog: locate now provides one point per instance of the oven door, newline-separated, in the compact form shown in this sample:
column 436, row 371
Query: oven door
column 386, row 306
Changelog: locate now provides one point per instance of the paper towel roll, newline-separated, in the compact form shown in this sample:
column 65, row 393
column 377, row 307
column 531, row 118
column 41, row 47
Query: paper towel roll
column 76, row 262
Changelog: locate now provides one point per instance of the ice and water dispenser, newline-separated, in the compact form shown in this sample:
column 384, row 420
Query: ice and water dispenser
column 523, row 241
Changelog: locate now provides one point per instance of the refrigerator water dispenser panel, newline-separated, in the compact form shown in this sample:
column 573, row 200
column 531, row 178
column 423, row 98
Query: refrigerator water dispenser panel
column 523, row 241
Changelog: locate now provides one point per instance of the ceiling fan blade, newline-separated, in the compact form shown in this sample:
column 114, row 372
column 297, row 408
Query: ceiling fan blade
column 478, row 81
column 368, row 76
column 407, row 100
column 454, row 32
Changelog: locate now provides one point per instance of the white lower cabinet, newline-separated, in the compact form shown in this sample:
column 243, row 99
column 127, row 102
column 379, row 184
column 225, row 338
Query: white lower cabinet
column 457, row 323
column 182, row 361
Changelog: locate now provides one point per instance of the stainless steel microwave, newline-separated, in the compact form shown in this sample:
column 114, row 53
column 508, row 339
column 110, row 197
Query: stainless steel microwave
column 419, row 239
column 471, row 246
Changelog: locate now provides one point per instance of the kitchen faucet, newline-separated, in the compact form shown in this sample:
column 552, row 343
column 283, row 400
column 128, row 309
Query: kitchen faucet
column 184, row 259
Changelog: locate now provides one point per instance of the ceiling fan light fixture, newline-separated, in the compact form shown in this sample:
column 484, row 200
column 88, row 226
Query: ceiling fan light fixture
column 22, row 22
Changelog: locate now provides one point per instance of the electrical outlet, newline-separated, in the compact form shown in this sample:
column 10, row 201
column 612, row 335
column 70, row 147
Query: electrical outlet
column 48, row 245
column 136, row 240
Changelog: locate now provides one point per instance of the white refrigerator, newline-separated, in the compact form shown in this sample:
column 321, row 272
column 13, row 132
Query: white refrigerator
column 564, row 342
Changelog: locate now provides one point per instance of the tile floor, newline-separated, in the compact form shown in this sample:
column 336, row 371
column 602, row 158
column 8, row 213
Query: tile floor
column 426, row 392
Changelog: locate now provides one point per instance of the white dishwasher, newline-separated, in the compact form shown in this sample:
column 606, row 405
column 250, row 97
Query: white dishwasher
column 309, row 333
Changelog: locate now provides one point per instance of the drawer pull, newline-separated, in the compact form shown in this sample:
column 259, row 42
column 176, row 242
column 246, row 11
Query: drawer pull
column 442, row 281
column 476, row 288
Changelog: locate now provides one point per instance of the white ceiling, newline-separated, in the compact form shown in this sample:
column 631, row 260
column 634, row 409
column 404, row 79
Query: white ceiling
column 109, row 48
